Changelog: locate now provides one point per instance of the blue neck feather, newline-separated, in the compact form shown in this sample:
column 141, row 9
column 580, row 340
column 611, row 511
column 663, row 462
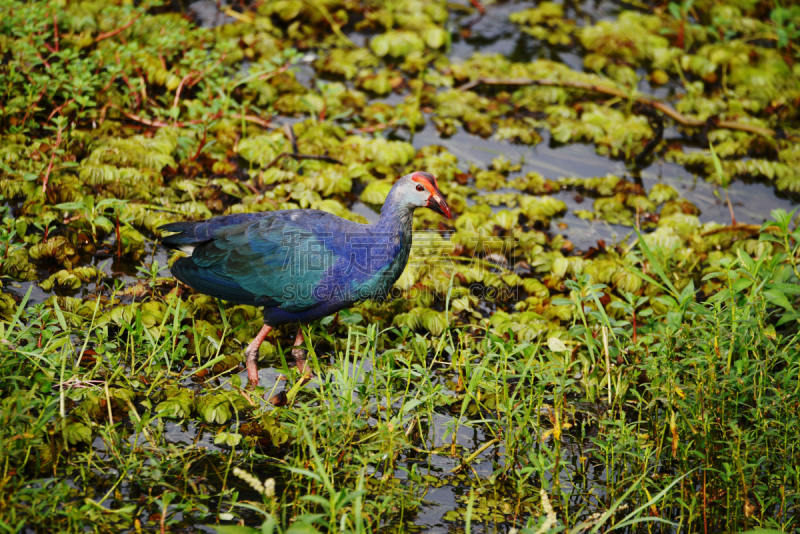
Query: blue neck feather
column 394, row 227
column 397, row 215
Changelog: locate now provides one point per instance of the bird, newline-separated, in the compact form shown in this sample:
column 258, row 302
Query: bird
column 301, row 265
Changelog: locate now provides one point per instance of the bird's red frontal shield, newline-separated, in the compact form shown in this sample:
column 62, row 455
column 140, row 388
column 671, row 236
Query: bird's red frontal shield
column 436, row 200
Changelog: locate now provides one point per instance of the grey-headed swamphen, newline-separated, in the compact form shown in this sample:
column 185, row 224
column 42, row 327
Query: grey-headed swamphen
column 301, row 265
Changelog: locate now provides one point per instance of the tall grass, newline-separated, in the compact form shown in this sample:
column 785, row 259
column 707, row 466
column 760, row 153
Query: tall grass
column 688, row 424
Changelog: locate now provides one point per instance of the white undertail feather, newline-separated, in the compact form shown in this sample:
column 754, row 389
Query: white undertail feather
column 187, row 249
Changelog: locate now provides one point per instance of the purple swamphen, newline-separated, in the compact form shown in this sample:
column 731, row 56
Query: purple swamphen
column 301, row 265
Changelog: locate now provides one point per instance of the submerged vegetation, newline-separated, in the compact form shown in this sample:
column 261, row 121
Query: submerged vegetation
column 514, row 380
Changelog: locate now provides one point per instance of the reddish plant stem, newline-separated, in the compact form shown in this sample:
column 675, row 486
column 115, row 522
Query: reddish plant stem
column 59, row 108
column 119, row 30
column 200, row 148
column 370, row 129
column 108, row 85
column 119, row 242
column 252, row 188
column 55, row 30
column 133, row 91
column 189, row 82
column 49, row 48
column 749, row 228
column 730, row 207
column 102, row 113
column 705, row 504
column 264, row 123
column 50, row 166
column 268, row 75
column 151, row 122
column 33, row 105
column 155, row 123
column 663, row 107
column 478, row 6
column 44, row 61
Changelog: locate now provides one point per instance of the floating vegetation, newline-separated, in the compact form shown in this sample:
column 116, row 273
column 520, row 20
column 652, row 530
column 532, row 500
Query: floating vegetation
column 644, row 381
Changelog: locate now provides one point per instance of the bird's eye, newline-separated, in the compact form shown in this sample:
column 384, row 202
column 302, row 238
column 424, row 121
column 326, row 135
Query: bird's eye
column 420, row 188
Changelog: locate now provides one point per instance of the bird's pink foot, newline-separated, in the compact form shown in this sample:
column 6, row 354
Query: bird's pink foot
column 252, row 369
column 251, row 354
column 299, row 355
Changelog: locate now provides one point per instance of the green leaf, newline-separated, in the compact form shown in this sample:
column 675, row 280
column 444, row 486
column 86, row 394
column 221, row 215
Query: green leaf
column 791, row 316
column 180, row 405
column 556, row 345
column 688, row 292
column 654, row 264
column 78, row 432
column 741, row 283
column 299, row 527
column 410, row 405
column 210, row 363
column 322, row 501
column 227, row 438
column 235, row 529
column 709, row 276
column 718, row 166
column 629, row 519
column 778, row 298
column 789, row 289
column 104, row 223
column 721, row 295
column 69, row 206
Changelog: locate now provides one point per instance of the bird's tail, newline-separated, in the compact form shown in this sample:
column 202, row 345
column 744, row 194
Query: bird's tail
column 211, row 282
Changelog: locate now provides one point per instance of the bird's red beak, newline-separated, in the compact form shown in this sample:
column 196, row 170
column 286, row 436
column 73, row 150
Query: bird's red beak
column 436, row 201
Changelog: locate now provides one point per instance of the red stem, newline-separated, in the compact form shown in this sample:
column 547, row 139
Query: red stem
column 180, row 87
column 119, row 243
column 59, row 108
column 55, row 29
column 730, row 207
column 200, row 148
column 50, row 166
column 112, row 33
column 477, row 4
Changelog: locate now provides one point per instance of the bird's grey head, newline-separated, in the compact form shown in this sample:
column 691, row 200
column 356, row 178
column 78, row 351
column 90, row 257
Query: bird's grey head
column 419, row 190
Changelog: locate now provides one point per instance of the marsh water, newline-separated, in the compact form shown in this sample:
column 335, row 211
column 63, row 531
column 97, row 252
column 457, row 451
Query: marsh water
column 493, row 33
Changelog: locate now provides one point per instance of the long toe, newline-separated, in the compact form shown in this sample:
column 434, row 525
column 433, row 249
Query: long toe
column 301, row 363
column 251, row 355
column 252, row 369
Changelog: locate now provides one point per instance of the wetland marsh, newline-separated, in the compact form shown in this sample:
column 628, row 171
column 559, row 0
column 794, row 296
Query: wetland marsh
column 605, row 337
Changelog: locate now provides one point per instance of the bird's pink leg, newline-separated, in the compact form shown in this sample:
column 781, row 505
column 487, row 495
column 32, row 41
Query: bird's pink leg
column 251, row 352
column 299, row 355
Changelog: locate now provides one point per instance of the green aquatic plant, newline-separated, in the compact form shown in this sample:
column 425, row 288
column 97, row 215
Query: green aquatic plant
column 648, row 378
column 546, row 23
